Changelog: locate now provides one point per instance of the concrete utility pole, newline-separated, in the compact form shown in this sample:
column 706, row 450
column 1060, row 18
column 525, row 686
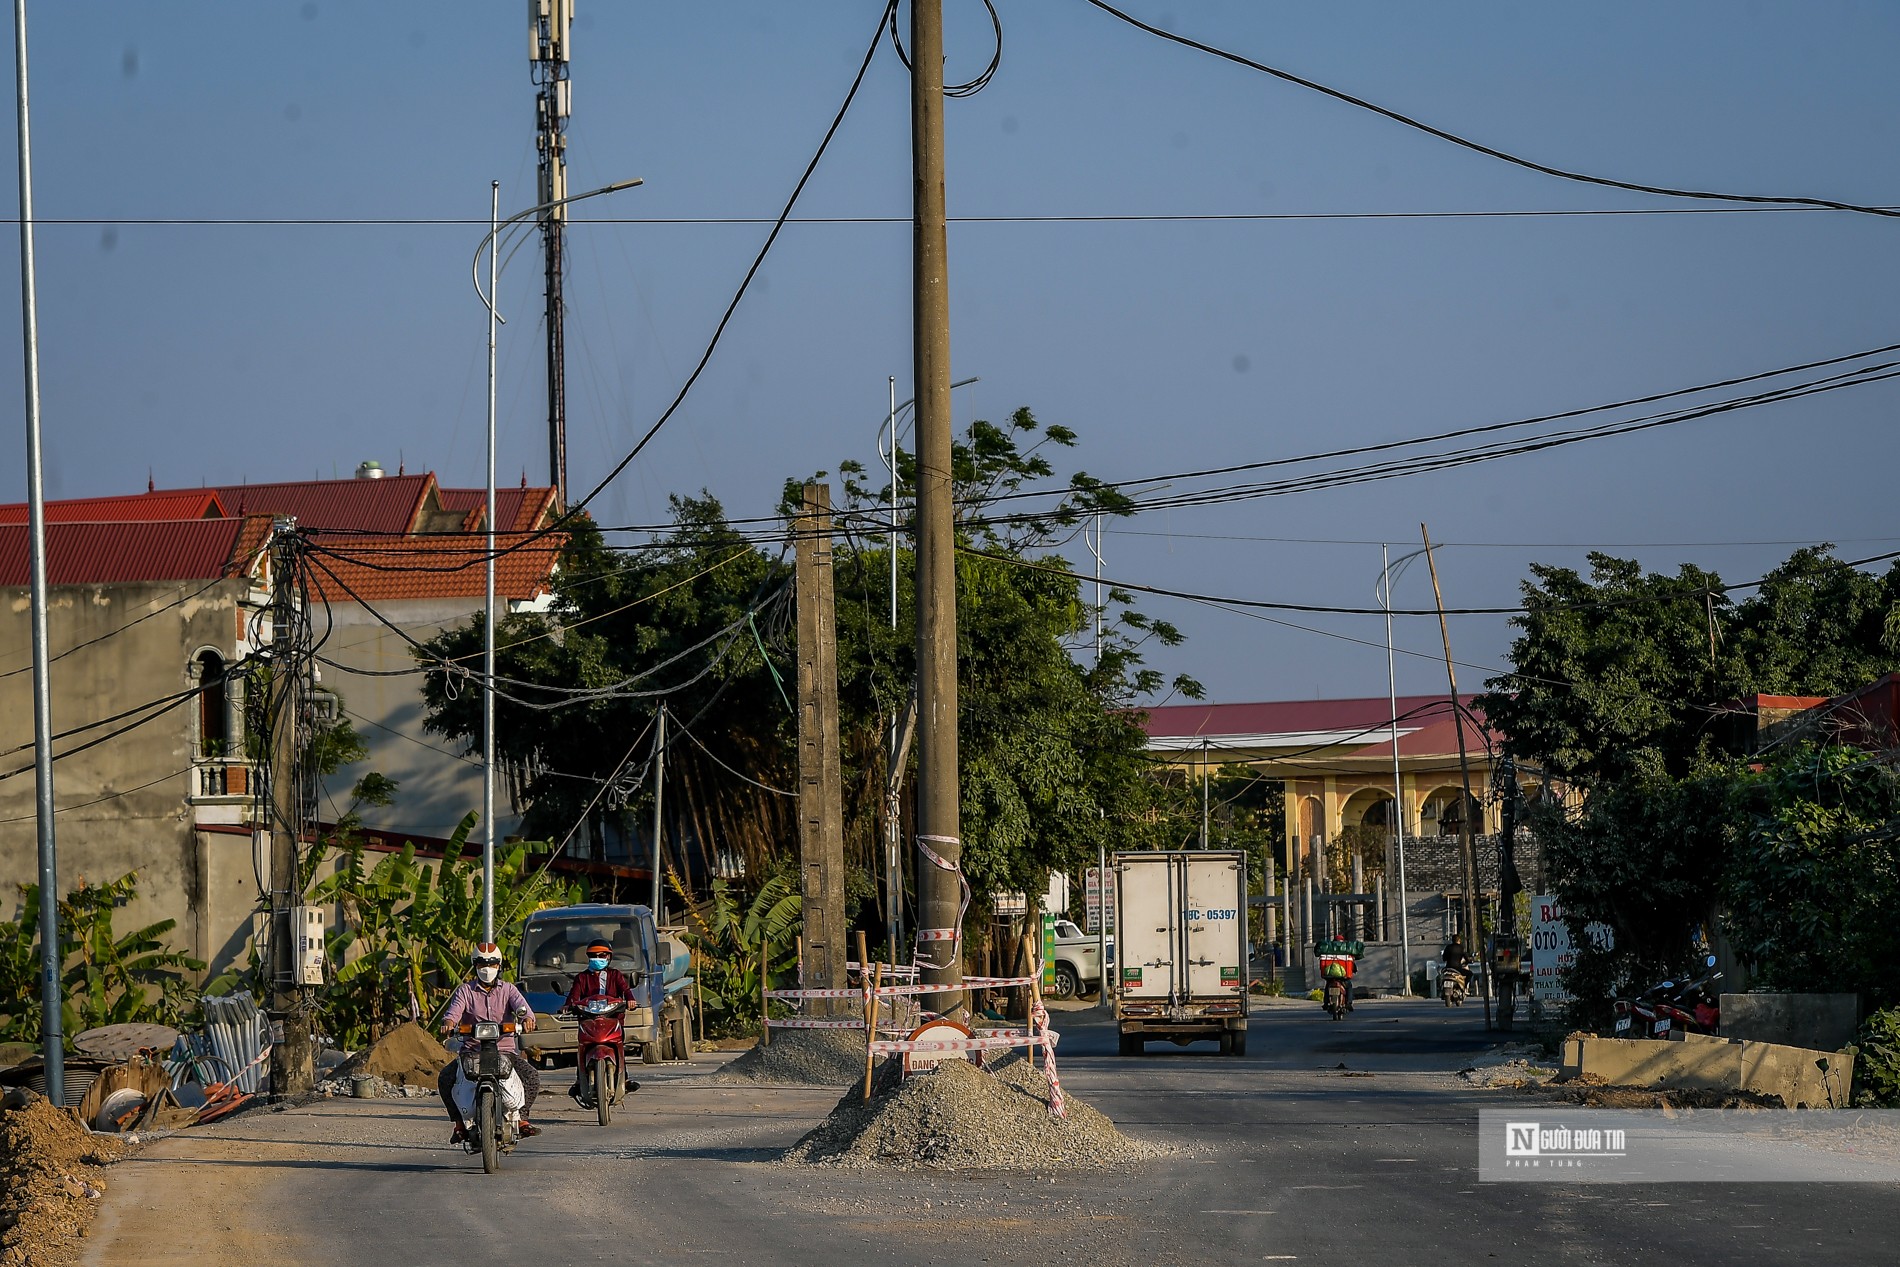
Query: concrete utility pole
column 292, row 1071
column 51, row 966
column 820, row 778
column 1467, row 852
column 549, row 24
column 939, row 839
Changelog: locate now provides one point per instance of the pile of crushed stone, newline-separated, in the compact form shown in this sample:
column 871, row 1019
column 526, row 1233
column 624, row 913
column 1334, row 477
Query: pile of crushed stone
column 960, row 1117
column 406, row 1057
column 1510, row 1066
column 802, row 1058
column 51, row 1179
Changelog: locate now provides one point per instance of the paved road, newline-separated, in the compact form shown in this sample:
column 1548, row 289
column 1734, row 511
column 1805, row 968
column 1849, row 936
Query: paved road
column 1283, row 1156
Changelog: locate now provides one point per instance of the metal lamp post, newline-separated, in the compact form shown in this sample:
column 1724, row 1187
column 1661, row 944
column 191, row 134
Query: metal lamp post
column 492, row 245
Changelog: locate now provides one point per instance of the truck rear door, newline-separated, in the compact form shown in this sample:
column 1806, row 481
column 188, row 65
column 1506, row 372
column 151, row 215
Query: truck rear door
column 1213, row 921
column 1147, row 909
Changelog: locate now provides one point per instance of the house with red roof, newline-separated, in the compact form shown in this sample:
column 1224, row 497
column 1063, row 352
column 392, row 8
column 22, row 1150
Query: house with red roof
column 155, row 596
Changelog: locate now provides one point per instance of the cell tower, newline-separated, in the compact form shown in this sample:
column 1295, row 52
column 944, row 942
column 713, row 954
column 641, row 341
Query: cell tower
column 549, row 23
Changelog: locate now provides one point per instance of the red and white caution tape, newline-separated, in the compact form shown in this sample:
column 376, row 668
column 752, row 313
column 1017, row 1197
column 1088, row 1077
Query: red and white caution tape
column 799, row 1022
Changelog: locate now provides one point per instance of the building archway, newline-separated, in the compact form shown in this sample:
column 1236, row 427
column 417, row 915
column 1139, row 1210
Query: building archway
column 209, row 676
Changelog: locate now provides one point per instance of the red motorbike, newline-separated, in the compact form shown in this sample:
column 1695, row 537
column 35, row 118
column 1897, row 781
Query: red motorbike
column 602, row 1054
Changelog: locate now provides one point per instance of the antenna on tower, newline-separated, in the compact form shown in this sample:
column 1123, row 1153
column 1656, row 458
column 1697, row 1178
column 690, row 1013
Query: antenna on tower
column 549, row 24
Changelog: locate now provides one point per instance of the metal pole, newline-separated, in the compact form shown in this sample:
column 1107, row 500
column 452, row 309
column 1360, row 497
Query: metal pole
column 1398, row 787
column 939, row 881
column 1102, row 992
column 1466, row 851
column 1096, row 550
column 659, row 820
column 51, row 1030
column 1203, row 793
column 488, row 595
column 891, row 422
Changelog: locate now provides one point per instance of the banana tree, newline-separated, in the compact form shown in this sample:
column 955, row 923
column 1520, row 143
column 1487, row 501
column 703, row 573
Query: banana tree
column 727, row 941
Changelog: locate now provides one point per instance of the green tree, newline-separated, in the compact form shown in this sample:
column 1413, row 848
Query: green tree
column 1814, row 876
column 1615, row 675
column 107, row 978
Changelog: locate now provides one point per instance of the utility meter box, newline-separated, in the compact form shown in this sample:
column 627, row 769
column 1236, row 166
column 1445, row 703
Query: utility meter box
column 306, row 930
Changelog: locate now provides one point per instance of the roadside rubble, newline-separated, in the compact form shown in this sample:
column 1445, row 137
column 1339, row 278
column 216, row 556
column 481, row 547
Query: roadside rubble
column 1510, row 1066
column 960, row 1117
column 403, row 1062
column 52, row 1169
column 801, row 1058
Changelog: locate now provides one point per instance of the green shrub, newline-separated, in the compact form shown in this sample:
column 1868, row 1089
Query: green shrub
column 1877, row 1068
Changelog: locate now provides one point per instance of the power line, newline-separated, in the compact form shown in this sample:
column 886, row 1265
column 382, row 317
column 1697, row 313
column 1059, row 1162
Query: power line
column 1477, row 146
column 1163, row 217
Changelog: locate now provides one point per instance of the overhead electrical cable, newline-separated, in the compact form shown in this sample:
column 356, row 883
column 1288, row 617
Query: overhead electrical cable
column 1478, row 147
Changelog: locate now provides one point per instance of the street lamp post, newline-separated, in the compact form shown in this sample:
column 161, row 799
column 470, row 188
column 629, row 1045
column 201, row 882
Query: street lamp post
column 1398, row 786
column 492, row 245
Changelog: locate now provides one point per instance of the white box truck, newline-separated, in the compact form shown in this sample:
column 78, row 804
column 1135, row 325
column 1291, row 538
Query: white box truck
column 1181, row 948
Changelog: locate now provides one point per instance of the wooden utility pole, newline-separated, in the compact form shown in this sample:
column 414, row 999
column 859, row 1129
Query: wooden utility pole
column 939, row 834
column 820, row 779
column 1467, row 850
column 292, row 1069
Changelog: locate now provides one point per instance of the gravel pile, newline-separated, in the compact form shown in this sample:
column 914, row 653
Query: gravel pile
column 961, row 1117
column 50, row 1181
column 802, row 1058
column 407, row 1056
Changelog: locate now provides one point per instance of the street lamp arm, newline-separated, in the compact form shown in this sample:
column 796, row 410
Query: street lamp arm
column 475, row 267
column 904, row 408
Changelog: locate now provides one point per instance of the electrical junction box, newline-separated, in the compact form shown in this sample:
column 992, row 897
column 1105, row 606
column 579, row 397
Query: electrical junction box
column 306, row 925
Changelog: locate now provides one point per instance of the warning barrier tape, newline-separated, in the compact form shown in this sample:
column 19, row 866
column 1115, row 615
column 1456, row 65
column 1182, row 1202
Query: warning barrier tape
column 798, row 1022
column 889, row 991
column 985, row 1042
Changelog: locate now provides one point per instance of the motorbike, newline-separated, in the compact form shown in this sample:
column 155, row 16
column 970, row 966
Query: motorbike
column 1670, row 1004
column 1335, row 997
column 489, row 1093
column 1453, row 984
column 602, row 1054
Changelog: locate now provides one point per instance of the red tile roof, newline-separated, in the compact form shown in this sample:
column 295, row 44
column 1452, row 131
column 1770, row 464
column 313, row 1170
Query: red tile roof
column 393, row 504
column 1345, row 727
column 378, row 569
column 197, row 503
column 516, row 509
column 108, row 553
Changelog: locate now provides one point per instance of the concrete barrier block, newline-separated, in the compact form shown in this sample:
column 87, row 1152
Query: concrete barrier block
column 1820, row 1022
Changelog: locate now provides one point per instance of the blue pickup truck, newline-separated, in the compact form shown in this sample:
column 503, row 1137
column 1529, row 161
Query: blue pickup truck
column 656, row 962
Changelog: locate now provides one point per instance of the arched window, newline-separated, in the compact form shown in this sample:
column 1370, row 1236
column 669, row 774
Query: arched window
column 214, row 733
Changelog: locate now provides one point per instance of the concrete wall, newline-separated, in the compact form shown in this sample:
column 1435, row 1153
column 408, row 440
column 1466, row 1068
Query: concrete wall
column 122, row 806
column 1706, row 1062
column 439, row 784
column 1825, row 1021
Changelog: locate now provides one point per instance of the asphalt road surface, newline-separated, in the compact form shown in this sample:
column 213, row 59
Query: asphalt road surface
column 1348, row 1142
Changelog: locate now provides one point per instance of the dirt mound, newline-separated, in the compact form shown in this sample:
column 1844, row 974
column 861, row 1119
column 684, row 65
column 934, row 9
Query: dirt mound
column 961, row 1117
column 407, row 1056
column 1599, row 1096
column 50, row 1167
column 802, row 1058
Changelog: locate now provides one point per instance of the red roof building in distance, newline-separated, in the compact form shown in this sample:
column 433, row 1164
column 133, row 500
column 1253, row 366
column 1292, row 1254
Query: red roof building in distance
column 388, row 569
column 132, row 553
column 197, row 503
column 521, row 509
column 1334, row 759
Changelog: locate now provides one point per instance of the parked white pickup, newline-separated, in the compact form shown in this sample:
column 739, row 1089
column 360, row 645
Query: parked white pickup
column 1078, row 960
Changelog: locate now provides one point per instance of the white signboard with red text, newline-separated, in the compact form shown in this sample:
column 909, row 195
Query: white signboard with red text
column 1551, row 950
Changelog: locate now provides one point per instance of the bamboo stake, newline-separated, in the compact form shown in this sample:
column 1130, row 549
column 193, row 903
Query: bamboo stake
column 870, row 1025
column 1035, row 994
column 765, row 983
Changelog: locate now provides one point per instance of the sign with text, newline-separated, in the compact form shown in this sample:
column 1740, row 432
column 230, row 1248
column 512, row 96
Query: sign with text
column 1094, row 907
column 1551, row 950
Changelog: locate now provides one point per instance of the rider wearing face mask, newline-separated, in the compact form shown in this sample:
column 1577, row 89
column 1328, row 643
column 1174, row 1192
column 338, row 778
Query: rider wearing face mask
column 486, row 997
column 598, row 980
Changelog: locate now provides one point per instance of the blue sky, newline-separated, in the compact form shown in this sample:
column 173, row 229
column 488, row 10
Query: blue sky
column 215, row 353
